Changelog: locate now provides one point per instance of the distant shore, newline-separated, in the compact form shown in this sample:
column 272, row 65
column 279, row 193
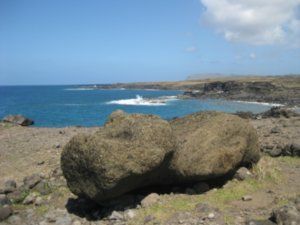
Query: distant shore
column 282, row 90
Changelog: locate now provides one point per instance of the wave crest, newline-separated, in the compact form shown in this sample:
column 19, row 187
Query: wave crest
column 139, row 100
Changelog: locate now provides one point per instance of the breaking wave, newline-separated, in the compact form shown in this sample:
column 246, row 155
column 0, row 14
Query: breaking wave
column 139, row 100
column 261, row 103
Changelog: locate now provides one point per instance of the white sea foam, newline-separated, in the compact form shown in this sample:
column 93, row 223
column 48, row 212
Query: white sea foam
column 139, row 100
column 261, row 103
column 79, row 89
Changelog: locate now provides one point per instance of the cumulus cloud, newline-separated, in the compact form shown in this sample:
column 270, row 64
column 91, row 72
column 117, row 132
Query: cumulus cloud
column 191, row 49
column 258, row 22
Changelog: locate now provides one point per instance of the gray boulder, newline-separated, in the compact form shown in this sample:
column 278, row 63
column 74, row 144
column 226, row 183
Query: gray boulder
column 18, row 120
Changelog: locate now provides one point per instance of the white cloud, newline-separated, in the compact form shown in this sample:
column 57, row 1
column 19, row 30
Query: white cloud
column 258, row 22
column 191, row 49
column 252, row 56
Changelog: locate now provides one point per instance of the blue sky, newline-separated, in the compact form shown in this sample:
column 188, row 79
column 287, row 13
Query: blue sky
column 105, row 41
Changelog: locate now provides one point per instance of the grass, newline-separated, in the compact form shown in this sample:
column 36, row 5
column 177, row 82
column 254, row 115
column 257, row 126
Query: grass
column 266, row 174
column 292, row 161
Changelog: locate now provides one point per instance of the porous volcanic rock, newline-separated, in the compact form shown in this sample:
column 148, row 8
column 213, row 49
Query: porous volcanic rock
column 133, row 151
column 18, row 120
column 211, row 144
column 127, row 153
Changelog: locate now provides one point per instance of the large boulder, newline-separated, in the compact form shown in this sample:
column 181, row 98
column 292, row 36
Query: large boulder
column 212, row 144
column 129, row 152
column 18, row 120
column 134, row 150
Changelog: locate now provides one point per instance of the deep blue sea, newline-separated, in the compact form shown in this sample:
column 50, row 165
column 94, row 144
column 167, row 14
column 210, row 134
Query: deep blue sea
column 60, row 106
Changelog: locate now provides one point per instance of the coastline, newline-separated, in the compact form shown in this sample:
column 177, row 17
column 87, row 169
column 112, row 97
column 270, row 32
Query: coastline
column 283, row 90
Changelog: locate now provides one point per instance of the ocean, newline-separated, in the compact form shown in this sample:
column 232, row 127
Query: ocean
column 60, row 106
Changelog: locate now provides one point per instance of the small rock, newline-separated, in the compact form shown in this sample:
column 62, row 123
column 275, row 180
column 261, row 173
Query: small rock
column 5, row 212
column 15, row 219
column 4, row 200
column 190, row 191
column 295, row 147
column 130, row 214
column 275, row 152
column 40, row 163
column 201, row 187
column 242, row 174
column 260, row 222
column 116, row 216
column 31, row 181
column 150, row 200
column 18, row 119
column 9, row 186
column 63, row 220
column 275, row 130
column 17, row 196
column 76, row 222
column 43, row 188
column 211, row 216
column 247, row 198
column 39, row 201
column 30, row 199
column 149, row 218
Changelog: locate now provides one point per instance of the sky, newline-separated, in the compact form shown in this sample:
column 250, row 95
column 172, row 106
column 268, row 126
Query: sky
column 105, row 41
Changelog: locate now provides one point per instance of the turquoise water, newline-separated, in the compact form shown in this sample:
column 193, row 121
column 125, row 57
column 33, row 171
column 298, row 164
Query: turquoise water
column 60, row 106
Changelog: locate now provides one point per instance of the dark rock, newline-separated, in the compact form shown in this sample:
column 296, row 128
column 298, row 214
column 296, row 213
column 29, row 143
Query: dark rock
column 245, row 115
column 17, row 196
column 242, row 174
column 277, row 112
column 275, row 152
column 287, row 150
column 5, row 212
column 295, row 147
column 18, row 119
column 190, row 191
column 9, row 186
column 42, row 187
column 292, row 149
column 212, row 144
column 4, row 200
column 287, row 215
column 31, row 181
column 201, row 187
column 275, row 130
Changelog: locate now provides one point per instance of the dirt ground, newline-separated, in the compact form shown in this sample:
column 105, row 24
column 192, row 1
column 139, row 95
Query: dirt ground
column 28, row 150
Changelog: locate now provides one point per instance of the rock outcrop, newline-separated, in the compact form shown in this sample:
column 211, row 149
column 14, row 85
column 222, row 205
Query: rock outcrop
column 18, row 120
column 134, row 150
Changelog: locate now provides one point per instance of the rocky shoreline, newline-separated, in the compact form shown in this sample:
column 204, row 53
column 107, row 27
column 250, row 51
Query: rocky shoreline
column 34, row 190
column 283, row 90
